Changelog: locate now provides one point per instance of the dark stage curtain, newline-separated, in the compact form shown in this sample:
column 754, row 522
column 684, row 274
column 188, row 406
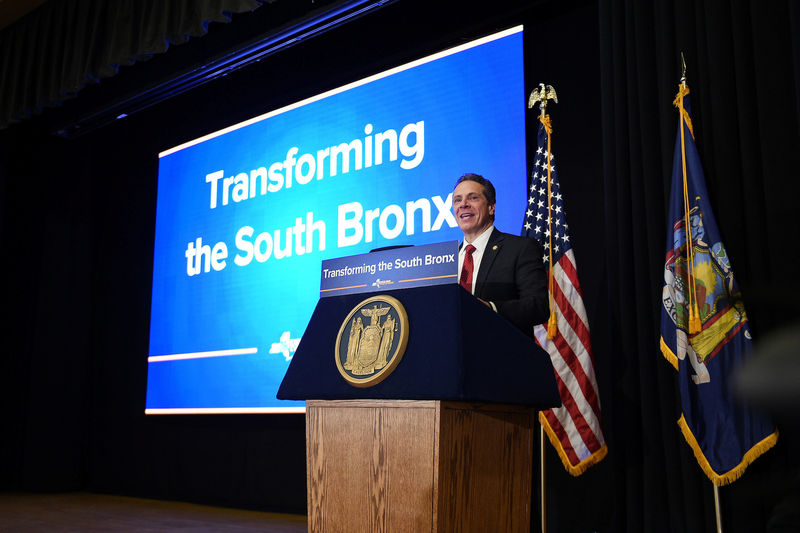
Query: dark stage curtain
column 743, row 71
column 78, row 220
column 62, row 46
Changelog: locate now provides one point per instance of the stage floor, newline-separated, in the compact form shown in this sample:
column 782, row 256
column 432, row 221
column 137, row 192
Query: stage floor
column 90, row 513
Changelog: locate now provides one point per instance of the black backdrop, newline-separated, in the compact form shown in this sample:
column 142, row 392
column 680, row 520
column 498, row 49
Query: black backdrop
column 78, row 221
column 743, row 64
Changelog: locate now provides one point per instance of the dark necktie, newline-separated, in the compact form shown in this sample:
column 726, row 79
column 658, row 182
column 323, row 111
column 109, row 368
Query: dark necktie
column 466, row 269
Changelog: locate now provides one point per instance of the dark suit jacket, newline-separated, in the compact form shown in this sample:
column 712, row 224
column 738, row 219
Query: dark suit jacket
column 513, row 276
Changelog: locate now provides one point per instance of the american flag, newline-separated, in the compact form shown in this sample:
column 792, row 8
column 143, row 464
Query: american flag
column 574, row 428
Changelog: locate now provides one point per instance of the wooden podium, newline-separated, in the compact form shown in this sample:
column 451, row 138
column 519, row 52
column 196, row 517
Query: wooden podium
column 414, row 466
column 444, row 443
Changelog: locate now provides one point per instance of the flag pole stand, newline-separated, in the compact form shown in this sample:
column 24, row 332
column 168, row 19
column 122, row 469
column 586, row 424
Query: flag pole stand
column 541, row 96
column 717, row 512
column 542, row 479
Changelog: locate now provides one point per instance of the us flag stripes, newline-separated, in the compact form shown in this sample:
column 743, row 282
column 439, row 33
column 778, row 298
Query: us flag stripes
column 574, row 428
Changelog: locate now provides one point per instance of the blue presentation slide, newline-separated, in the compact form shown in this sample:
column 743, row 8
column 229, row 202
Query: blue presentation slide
column 246, row 215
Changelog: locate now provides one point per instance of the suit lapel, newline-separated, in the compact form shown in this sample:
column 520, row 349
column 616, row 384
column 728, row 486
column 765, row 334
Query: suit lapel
column 493, row 248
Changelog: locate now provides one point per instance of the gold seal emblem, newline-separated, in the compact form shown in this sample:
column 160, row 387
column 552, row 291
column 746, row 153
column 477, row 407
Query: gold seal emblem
column 372, row 340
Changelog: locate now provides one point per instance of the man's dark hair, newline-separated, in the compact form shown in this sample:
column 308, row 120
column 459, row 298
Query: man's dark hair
column 488, row 188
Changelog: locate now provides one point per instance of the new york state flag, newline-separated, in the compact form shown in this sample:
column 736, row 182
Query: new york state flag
column 704, row 329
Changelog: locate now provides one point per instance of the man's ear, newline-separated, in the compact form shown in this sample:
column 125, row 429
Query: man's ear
column 491, row 210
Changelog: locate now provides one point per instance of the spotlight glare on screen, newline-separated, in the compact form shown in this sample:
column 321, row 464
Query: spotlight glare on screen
column 245, row 215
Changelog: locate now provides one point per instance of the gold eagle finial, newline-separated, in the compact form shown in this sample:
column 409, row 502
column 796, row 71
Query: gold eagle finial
column 542, row 95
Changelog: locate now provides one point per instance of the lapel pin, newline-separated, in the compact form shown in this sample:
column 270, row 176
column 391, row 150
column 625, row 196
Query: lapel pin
column 494, row 247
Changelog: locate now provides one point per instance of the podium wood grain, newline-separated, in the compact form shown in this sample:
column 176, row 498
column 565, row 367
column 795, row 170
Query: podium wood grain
column 412, row 466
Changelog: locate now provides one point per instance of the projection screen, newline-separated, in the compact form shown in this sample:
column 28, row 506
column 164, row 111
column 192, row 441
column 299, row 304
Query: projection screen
column 245, row 215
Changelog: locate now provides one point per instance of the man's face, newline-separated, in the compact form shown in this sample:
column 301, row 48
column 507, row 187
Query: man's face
column 473, row 213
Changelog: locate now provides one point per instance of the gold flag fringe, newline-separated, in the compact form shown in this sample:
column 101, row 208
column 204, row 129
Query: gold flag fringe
column 736, row 472
column 668, row 354
column 574, row 470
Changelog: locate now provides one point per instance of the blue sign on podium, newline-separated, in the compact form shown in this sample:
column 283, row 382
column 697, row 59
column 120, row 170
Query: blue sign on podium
column 396, row 268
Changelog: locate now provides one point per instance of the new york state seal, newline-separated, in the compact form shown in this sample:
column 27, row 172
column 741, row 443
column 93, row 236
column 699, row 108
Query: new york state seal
column 372, row 340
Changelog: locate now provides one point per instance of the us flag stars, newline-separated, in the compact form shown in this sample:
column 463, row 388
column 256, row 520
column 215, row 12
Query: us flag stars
column 537, row 222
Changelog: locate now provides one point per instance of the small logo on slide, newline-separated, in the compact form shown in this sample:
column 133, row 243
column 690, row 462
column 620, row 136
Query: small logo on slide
column 381, row 282
column 286, row 346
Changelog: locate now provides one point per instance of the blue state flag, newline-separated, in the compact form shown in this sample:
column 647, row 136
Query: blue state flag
column 704, row 328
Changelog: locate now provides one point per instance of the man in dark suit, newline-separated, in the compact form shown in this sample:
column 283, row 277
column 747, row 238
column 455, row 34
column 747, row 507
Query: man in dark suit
column 504, row 271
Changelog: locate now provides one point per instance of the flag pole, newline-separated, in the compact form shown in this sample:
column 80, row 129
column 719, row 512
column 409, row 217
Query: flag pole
column 542, row 443
column 542, row 479
column 541, row 95
column 683, row 70
column 717, row 512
